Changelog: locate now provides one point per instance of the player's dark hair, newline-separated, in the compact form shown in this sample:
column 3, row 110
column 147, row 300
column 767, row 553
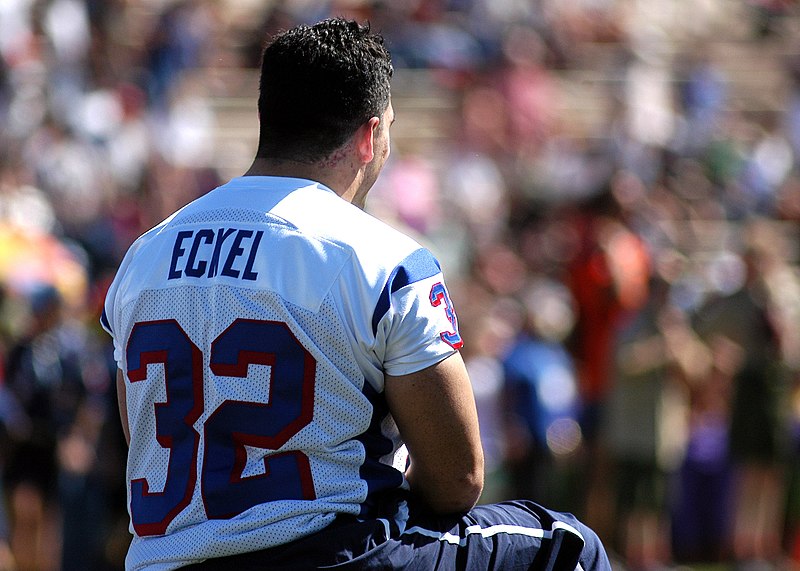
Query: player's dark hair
column 318, row 85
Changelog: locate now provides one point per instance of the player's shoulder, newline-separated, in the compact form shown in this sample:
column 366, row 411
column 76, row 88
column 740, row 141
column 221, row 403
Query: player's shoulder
column 380, row 247
column 372, row 236
column 319, row 212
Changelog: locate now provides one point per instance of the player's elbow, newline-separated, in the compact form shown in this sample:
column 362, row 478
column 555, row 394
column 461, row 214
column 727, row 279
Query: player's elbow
column 466, row 494
column 457, row 491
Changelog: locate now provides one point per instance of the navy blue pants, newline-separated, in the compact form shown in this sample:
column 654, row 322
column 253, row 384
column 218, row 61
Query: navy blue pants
column 506, row 535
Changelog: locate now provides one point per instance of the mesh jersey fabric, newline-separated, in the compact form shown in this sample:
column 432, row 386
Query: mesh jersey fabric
column 254, row 327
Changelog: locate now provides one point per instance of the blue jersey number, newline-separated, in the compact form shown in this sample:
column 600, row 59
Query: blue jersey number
column 230, row 428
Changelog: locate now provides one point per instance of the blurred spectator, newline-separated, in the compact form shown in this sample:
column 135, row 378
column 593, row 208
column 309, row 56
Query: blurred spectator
column 69, row 172
column 752, row 382
column 646, row 428
column 702, row 95
column 66, row 26
column 649, row 106
column 766, row 163
column 52, row 376
column 178, row 42
column 410, row 191
column 542, row 401
column 528, row 89
column 767, row 16
column 474, row 189
column 608, row 278
column 700, row 511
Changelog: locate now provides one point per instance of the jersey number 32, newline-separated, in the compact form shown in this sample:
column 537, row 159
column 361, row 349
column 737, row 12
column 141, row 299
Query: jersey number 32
column 228, row 429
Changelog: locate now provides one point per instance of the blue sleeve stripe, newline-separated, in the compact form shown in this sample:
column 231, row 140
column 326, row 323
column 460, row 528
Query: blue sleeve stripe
column 104, row 321
column 419, row 265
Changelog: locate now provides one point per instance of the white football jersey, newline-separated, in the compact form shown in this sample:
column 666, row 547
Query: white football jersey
column 253, row 328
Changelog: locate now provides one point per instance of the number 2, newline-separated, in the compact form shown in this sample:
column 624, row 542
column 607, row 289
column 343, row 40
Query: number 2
column 231, row 427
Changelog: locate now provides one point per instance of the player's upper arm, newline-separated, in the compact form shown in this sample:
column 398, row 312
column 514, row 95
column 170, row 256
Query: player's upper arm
column 435, row 413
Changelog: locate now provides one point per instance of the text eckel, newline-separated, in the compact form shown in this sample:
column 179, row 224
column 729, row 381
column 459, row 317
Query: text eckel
column 206, row 253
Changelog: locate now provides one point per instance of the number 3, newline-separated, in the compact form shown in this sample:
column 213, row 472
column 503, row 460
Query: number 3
column 230, row 427
column 439, row 297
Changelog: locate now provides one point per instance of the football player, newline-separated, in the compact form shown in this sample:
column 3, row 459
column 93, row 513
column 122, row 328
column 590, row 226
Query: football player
column 289, row 376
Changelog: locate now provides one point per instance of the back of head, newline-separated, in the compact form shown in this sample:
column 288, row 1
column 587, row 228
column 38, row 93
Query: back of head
column 318, row 85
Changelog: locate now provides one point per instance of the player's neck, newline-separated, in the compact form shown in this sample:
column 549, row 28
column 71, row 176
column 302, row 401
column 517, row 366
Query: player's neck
column 338, row 180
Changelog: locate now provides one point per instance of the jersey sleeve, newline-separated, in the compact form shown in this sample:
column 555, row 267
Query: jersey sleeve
column 109, row 319
column 416, row 318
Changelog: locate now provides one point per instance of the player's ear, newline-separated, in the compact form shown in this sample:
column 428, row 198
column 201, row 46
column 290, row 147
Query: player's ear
column 365, row 140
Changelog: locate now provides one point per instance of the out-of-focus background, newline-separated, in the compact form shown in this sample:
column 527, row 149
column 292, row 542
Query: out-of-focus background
column 612, row 187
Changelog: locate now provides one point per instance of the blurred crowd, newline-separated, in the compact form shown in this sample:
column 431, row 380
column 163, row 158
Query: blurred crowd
column 624, row 269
